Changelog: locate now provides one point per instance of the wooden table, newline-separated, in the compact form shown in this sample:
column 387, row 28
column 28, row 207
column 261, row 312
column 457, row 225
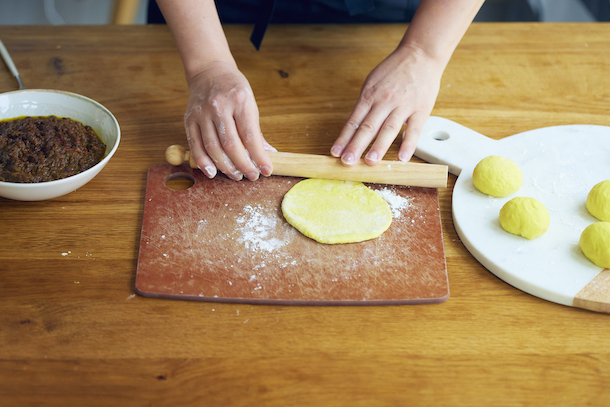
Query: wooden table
column 72, row 332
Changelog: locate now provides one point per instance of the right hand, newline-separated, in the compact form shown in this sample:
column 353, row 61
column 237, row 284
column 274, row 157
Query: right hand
column 222, row 124
column 401, row 89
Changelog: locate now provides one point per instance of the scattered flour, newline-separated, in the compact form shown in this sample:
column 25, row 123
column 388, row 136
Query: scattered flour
column 257, row 229
column 396, row 202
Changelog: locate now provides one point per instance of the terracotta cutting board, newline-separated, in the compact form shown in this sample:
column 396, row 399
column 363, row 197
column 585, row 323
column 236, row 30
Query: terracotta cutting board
column 227, row 241
column 560, row 165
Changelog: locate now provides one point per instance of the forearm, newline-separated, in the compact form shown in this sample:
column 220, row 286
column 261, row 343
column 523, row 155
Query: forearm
column 197, row 32
column 438, row 26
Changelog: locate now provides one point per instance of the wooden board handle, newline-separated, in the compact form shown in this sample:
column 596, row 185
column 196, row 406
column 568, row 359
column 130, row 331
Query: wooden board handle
column 595, row 296
column 325, row 167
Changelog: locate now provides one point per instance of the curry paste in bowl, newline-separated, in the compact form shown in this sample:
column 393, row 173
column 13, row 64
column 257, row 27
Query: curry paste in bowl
column 46, row 148
column 44, row 103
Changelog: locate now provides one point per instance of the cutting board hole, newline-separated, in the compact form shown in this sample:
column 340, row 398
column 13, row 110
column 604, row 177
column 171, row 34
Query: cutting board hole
column 440, row 135
column 179, row 181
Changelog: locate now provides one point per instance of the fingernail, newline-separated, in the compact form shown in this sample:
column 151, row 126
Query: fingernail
column 348, row 158
column 210, row 171
column 252, row 176
column 372, row 156
column 402, row 156
column 269, row 147
column 236, row 176
column 336, row 151
column 266, row 171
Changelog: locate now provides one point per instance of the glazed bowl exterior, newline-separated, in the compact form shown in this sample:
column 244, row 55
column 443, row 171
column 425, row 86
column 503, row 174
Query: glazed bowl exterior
column 43, row 102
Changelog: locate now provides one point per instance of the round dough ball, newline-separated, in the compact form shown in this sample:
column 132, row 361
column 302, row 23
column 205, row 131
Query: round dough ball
column 595, row 243
column 330, row 211
column 497, row 176
column 525, row 217
column 598, row 201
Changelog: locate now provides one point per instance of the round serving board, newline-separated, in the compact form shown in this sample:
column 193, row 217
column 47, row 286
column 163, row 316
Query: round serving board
column 560, row 165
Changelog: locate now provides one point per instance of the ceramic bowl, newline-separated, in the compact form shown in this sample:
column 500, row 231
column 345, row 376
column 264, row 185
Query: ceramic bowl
column 42, row 102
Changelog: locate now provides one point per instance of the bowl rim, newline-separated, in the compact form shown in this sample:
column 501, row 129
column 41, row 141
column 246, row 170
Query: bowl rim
column 102, row 163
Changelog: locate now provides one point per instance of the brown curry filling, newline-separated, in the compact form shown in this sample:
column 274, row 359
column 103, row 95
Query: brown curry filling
column 39, row 149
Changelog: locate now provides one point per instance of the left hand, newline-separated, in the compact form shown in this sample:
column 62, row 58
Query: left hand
column 401, row 89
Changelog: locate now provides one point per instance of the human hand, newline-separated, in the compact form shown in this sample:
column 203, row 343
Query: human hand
column 222, row 124
column 401, row 89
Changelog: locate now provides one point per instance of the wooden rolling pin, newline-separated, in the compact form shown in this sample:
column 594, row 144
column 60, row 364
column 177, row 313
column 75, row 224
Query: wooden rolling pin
column 325, row 167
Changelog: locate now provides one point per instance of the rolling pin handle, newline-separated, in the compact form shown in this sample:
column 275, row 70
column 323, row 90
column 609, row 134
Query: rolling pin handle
column 191, row 160
column 317, row 166
column 177, row 155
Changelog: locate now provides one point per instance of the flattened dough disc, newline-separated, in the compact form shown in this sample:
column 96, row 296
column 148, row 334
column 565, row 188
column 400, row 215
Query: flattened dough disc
column 330, row 211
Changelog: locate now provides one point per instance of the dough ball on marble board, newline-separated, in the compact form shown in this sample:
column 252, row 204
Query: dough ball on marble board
column 525, row 217
column 598, row 201
column 497, row 176
column 595, row 243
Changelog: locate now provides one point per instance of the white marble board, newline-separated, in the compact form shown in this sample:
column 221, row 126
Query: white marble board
column 560, row 166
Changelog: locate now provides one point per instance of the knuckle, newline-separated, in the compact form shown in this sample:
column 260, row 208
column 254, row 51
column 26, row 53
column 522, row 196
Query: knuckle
column 413, row 130
column 368, row 127
column 366, row 95
column 392, row 126
column 210, row 146
column 229, row 144
column 240, row 95
column 249, row 137
column 387, row 96
column 192, row 114
column 352, row 124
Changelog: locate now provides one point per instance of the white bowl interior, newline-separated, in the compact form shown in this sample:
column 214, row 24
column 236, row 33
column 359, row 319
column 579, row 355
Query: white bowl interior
column 62, row 104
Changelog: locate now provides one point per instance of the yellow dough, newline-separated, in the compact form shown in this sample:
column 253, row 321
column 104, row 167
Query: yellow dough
column 598, row 201
column 497, row 176
column 525, row 217
column 331, row 211
column 595, row 243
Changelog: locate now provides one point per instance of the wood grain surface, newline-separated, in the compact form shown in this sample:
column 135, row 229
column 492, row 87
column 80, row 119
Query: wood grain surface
column 73, row 333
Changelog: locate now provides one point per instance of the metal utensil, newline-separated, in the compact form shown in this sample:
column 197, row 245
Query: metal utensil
column 11, row 65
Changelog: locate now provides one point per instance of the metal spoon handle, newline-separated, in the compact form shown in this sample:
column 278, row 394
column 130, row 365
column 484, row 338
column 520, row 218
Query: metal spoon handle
column 11, row 65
